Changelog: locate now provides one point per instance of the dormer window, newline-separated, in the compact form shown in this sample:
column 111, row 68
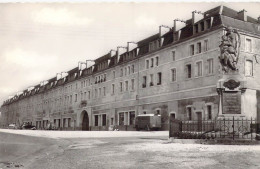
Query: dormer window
column 196, row 28
column 202, row 26
column 154, row 45
column 207, row 24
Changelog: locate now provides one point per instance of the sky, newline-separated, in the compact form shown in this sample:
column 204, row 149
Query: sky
column 39, row 40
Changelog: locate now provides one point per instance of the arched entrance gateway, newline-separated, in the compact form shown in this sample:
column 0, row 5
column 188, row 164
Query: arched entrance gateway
column 85, row 121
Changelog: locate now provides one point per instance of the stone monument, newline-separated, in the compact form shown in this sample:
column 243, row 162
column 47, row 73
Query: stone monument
column 232, row 84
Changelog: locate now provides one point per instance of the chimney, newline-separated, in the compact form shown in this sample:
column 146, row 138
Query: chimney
column 119, row 52
column 112, row 52
column 178, row 24
column 242, row 15
column 132, row 46
column 196, row 16
column 161, row 32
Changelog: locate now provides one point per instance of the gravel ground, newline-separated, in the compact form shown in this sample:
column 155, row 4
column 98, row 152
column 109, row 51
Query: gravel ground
column 85, row 134
column 137, row 150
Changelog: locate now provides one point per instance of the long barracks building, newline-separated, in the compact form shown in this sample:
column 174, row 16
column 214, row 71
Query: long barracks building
column 181, row 73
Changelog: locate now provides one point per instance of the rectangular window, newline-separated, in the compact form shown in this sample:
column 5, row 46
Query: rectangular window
column 125, row 71
column 208, row 23
column 133, row 84
column 196, row 27
column 151, row 79
column 173, row 56
column 121, row 119
column 126, row 85
column 209, row 109
column 248, row 47
column 132, row 117
column 99, row 92
column 151, row 62
column 192, row 50
column 147, row 64
column 199, row 47
column 129, row 71
column 104, row 119
column 206, row 45
column 210, row 66
column 249, row 68
column 188, row 71
column 189, row 113
column 151, row 46
column 104, row 91
column 96, row 120
column 173, row 74
column 76, row 97
column 198, row 69
column 121, row 86
column 105, row 77
column 133, row 68
column 159, row 78
column 96, row 93
column 114, row 74
column 121, row 72
column 144, row 81
column 202, row 26
column 157, row 60
column 88, row 94
column 85, row 95
column 69, row 122
column 113, row 88
column 112, row 121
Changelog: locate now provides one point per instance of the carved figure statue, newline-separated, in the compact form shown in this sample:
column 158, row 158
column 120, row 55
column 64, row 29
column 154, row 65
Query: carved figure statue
column 229, row 49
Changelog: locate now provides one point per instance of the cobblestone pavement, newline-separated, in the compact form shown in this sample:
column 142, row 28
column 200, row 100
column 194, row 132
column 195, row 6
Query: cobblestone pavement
column 132, row 150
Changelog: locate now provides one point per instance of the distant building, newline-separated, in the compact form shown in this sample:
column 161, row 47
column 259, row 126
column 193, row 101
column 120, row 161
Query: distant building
column 183, row 73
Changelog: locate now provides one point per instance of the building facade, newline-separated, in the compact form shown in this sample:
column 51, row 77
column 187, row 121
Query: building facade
column 181, row 73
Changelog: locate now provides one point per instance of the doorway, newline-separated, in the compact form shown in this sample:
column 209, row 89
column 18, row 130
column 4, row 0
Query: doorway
column 199, row 118
column 85, row 121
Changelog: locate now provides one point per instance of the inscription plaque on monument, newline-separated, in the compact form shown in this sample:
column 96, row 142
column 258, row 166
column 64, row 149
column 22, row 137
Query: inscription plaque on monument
column 231, row 102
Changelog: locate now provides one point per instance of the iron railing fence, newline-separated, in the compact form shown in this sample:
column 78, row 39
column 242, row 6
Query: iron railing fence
column 231, row 127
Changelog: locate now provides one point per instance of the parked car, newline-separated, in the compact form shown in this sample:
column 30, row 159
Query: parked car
column 148, row 122
column 28, row 126
column 12, row 126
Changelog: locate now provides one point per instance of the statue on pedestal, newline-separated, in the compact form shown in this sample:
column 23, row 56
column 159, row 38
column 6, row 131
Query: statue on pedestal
column 229, row 48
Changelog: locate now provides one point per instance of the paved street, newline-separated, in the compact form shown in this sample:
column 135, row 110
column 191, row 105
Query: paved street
column 116, row 149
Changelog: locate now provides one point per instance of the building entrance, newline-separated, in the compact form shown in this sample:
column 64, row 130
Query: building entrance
column 85, row 121
column 199, row 118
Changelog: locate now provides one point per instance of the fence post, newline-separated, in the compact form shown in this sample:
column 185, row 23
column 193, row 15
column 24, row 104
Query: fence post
column 233, row 128
column 251, row 129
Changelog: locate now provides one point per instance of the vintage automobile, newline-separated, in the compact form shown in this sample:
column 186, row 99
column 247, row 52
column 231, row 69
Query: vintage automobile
column 28, row 126
column 148, row 122
column 12, row 126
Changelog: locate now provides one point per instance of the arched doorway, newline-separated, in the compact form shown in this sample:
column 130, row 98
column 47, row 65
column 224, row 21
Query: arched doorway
column 85, row 121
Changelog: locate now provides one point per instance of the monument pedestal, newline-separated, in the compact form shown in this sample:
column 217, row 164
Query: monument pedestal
column 231, row 89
